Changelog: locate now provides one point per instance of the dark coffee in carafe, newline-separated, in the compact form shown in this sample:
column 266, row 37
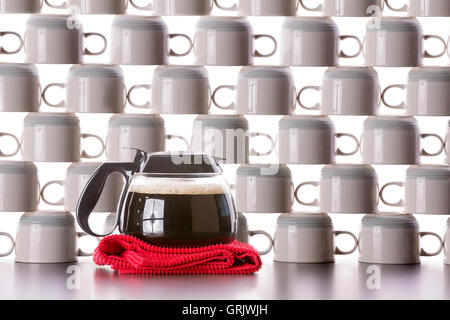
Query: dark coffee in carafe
column 180, row 211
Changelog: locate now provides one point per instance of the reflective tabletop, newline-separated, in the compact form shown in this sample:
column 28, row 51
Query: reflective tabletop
column 341, row 280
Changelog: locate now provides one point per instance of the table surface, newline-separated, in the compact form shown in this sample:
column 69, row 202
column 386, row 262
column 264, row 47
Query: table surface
column 340, row 280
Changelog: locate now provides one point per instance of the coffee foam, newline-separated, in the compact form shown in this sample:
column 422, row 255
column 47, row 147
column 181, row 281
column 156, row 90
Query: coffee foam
column 177, row 186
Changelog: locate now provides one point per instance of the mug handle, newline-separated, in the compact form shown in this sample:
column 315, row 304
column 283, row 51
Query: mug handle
column 80, row 252
column 423, row 152
column 231, row 106
column 426, row 54
column 299, row 96
column 146, row 105
column 339, row 152
column 62, row 103
column 234, row 7
column 84, row 154
column 253, row 152
column 318, row 8
column 87, row 52
column 60, row 202
column 172, row 53
column 342, row 54
column 258, row 54
column 16, row 151
column 425, row 253
column 260, row 232
column 448, row 46
column 148, row 7
column 13, row 244
column 38, row 194
column 383, row 96
column 63, row 5
column 353, row 249
column 399, row 203
column 173, row 137
column 5, row 33
column 401, row 9
column 313, row 203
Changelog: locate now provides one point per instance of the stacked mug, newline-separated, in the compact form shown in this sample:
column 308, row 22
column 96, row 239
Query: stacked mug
column 260, row 90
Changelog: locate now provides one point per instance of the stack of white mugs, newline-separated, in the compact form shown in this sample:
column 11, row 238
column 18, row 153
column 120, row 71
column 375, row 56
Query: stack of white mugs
column 308, row 237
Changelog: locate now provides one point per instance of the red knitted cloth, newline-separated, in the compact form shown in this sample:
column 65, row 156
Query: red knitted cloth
column 130, row 255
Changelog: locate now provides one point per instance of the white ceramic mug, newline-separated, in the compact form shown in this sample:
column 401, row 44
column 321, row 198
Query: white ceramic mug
column 394, row 140
column 345, row 188
column 308, row 238
column 264, row 189
column 77, row 176
column 91, row 88
column 348, row 8
column 143, row 40
column 244, row 234
column 426, row 190
column 346, row 91
column 227, row 41
column 57, row 39
column 423, row 8
column 20, row 6
column 127, row 132
column 310, row 140
column 313, row 42
column 427, row 92
column 55, row 137
column 97, row 6
column 19, row 87
column 177, row 90
column 392, row 238
column 57, row 238
column 20, row 186
column 397, row 42
column 11, row 34
column 226, row 137
column 261, row 90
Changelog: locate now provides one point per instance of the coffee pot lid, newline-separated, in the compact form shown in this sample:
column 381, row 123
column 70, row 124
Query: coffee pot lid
column 180, row 163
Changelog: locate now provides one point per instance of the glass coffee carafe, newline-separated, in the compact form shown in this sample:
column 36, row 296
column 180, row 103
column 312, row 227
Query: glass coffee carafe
column 178, row 199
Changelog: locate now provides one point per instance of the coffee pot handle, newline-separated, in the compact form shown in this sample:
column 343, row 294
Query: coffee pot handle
column 93, row 190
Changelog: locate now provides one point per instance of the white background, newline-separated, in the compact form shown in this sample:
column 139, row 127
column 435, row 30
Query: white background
column 181, row 125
